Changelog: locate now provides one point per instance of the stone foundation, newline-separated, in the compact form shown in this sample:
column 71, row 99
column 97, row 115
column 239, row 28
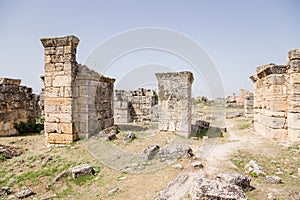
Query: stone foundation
column 174, row 100
column 17, row 102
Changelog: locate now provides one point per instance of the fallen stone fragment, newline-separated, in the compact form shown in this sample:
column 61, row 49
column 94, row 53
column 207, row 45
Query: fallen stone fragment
column 197, row 164
column 253, row 166
column 243, row 181
column 113, row 191
column 25, row 193
column 273, row 179
column 178, row 166
column 5, row 191
column 150, row 152
column 271, row 196
column 110, row 130
column 62, row 175
column 110, row 137
column 129, row 137
column 203, row 188
column 9, row 151
column 202, row 124
column 81, row 170
column 46, row 160
column 175, row 151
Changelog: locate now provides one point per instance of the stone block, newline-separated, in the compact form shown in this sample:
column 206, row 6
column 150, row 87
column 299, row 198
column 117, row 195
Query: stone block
column 294, row 54
column 293, row 120
column 56, row 138
column 60, row 81
column 294, row 135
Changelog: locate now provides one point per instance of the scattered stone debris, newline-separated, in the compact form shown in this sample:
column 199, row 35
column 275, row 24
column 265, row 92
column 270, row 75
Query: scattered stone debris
column 273, row 179
column 25, row 193
column 175, row 151
column 109, row 131
column 243, row 181
column 46, row 160
column 212, row 189
column 110, row 137
column 233, row 115
column 81, row 170
column 150, row 152
column 297, row 196
column 202, row 124
column 253, row 166
column 271, row 196
column 177, row 166
column 11, row 197
column 113, row 191
column 129, row 136
column 9, row 151
column 197, row 165
column 5, row 191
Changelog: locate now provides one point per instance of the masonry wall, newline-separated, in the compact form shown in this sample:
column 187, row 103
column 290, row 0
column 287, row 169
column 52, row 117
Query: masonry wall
column 17, row 102
column 174, row 100
column 77, row 100
column 276, row 99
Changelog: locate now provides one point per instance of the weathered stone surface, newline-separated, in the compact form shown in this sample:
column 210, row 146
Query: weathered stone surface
column 243, row 181
column 276, row 99
column 197, row 164
column 129, row 136
column 202, row 124
column 5, row 191
column 175, row 151
column 150, row 152
column 81, row 170
column 174, row 94
column 9, row 151
column 25, row 193
column 253, row 166
column 211, row 189
column 273, row 179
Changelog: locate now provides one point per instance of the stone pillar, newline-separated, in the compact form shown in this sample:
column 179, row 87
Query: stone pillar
column 60, row 72
column 174, row 100
column 248, row 105
column 294, row 95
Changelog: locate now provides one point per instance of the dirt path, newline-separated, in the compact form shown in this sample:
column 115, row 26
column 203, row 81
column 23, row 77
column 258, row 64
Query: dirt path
column 216, row 155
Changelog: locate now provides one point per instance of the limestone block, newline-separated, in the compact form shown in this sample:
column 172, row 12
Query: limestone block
column 47, row 59
column 294, row 78
column 60, row 81
column 49, row 50
column 294, row 54
column 60, row 41
column 66, row 128
column 59, row 66
column 293, row 120
column 294, row 66
column 59, row 50
column 56, row 138
column 51, row 127
column 48, row 81
column 294, row 135
column 69, row 50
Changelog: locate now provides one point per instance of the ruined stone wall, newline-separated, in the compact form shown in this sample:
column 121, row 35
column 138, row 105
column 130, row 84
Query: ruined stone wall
column 293, row 86
column 77, row 101
column 17, row 102
column 93, row 101
column 175, row 103
column 134, row 106
column 276, row 99
column 235, row 101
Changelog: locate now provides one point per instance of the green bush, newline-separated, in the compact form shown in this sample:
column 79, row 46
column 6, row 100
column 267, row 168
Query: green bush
column 31, row 126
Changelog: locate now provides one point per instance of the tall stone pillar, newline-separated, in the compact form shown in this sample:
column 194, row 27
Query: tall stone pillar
column 294, row 95
column 174, row 100
column 60, row 72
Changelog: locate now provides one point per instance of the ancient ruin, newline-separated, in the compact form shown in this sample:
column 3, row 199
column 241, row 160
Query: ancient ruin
column 76, row 98
column 17, row 103
column 237, row 101
column 134, row 106
column 174, row 100
column 276, row 99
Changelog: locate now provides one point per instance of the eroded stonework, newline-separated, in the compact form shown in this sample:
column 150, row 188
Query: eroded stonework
column 174, row 100
column 77, row 100
column 17, row 102
column 277, row 98
column 134, row 106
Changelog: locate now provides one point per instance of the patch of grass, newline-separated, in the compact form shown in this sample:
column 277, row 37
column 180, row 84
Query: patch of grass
column 65, row 193
column 2, row 158
column 81, row 180
column 244, row 126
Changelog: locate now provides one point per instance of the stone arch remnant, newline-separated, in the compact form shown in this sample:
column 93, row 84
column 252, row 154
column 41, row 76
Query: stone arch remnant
column 73, row 94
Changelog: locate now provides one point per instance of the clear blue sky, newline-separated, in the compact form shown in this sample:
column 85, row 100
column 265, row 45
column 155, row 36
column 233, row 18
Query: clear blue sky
column 237, row 35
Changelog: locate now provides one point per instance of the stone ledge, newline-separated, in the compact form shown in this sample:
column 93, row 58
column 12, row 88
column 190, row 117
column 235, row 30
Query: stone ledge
column 10, row 81
column 70, row 40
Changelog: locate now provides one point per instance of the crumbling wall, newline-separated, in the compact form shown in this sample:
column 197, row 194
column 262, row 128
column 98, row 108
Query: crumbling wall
column 276, row 99
column 17, row 102
column 77, row 100
column 134, row 105
column 235, row 101
column 248, row 105
column 175, row 103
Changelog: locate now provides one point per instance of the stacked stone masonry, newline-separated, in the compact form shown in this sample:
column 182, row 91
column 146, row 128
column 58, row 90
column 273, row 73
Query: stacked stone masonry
column 134, row 106
column 17, row 103
column 277, row 99
column 73, row 94
column 174, row 101
column 235, row 101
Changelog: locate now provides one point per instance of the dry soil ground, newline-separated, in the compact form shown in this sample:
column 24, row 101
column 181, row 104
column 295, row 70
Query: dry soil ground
column 143, row 181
